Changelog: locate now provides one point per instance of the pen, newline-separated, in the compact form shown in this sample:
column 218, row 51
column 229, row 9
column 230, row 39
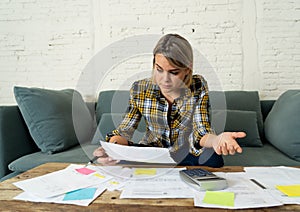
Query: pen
column 257, row 183
column 92, row 161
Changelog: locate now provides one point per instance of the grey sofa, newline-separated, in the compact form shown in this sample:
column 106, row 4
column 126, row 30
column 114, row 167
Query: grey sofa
column 242, row 110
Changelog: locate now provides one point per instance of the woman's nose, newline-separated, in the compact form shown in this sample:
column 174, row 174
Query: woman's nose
column 166, row 76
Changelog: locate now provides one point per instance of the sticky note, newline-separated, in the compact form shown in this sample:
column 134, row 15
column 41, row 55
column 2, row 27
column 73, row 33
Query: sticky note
column 85, row 171
column 114, row 182
column 290, row 190
column 219, row 198
column 149, row 171
column 99, row 175
column 80, row 194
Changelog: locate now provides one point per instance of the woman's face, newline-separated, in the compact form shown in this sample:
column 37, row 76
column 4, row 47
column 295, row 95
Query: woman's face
column 169, row 78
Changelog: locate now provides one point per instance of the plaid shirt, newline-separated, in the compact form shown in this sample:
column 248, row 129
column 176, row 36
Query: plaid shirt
column 187, row 120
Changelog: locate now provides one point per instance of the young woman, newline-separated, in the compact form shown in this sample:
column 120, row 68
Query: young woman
column 175, row 106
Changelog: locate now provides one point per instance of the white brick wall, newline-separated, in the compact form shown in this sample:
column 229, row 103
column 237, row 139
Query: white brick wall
column 242, row 44
column 43, row 43
column 278, row 33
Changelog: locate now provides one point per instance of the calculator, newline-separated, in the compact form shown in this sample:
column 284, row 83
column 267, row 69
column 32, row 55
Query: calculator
column 202, row 179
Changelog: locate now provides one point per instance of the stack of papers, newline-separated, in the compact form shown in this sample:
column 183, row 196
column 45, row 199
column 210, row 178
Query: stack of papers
column 156, row 183
column 140, row 154
column 255, row 188
column 281, row 182
column 81, row 185
column 73, row 185
column 241, row 193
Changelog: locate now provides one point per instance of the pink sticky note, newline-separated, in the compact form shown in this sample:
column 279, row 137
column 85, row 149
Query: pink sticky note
column 85, row 171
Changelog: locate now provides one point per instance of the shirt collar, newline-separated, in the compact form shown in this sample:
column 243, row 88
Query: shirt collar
column 186, row 92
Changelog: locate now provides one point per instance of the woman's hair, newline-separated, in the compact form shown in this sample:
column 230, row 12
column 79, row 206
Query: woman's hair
column 178, row 51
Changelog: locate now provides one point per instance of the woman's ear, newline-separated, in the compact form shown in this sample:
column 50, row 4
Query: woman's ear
column 185, row 77
column 187, row 72
column 188, row 76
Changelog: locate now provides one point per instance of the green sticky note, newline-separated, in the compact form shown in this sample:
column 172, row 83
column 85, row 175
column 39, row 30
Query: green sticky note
column 80, row 194
column 290, row 190
column 219, row 198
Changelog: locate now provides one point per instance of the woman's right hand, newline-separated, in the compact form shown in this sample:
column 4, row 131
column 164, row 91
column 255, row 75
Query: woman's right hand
column 103, row 158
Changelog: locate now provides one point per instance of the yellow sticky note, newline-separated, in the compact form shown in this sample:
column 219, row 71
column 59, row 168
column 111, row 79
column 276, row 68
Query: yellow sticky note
column 114, row 182
column 149, row 171
column 219, row 198
column 290, row 190
column 99, row 175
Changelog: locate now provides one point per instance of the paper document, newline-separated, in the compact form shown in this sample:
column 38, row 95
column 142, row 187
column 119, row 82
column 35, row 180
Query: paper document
column 75, row 197
column 156, row 183
column 246, row 194
column 60, row 182
column 138, row 154
column 290, row 190
column 80, row 185
column 120, row 175
column 271, row 177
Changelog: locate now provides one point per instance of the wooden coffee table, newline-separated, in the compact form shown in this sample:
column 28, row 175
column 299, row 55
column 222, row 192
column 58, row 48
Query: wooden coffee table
column 109, row 200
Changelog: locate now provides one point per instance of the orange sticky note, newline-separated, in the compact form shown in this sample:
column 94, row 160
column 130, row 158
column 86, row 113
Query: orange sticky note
column 85, row 171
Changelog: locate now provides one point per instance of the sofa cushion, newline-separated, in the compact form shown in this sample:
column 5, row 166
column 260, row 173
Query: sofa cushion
column 15, row 139
column 110, row 121
column 78, row 154
column 283, row 123
column 238, row 100
column 237, row 121
column 268, row 155
column 112, row 101
column 57, row 120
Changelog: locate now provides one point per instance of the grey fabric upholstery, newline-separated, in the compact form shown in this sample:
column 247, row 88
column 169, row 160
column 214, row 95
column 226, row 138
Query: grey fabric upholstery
column 238, row 121
column 112, row 102
column 77, row 154
column 283, row 123
column 18, row 148
column 267, row 155
column 15, row 140
column 56, row 119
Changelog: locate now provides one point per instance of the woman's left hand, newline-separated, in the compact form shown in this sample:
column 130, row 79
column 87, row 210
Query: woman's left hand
column 225, row 143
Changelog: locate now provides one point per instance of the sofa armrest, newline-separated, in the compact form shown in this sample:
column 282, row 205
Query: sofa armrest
column 15, row 140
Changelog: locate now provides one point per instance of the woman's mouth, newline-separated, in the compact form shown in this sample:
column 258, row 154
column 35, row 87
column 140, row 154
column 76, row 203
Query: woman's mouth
column 166, row 86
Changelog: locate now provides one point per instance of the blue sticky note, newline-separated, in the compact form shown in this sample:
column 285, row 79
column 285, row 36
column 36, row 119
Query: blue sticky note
column 80, row 194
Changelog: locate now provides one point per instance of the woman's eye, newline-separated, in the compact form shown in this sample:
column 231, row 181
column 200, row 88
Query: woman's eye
column 159, row 70
column 174, row 73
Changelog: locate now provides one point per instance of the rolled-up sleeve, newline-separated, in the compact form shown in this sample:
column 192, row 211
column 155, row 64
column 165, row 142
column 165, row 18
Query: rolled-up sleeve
column 131, row 120
column 201, row 119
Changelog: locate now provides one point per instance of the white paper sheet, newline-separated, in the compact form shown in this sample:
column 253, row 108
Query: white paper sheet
column 138, row 154
column 26, row 196
column 269, row 177
column 247, row 194
column 165, row 183
column 160, row 183
column 60, row 182
column 120, row 175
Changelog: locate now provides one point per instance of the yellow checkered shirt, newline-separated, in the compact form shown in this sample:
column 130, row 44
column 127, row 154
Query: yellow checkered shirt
column 188, row 120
